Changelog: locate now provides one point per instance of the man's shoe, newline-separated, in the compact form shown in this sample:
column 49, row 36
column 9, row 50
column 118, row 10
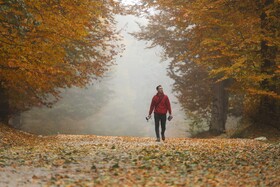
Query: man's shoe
column 158, row 140
column 162, row 137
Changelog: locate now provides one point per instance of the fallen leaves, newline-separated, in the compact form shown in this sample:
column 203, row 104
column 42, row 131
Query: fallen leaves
column 84, row 160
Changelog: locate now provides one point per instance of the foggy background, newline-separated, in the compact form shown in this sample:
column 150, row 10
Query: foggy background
column 116, row 104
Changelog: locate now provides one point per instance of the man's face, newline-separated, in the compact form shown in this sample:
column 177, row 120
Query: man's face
column 160, row 90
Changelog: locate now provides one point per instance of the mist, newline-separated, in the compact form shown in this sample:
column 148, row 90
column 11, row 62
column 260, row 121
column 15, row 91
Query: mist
column 117, row 104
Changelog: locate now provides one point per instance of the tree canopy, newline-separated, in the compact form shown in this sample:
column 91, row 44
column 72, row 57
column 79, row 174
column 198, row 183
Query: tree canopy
column 49, row 45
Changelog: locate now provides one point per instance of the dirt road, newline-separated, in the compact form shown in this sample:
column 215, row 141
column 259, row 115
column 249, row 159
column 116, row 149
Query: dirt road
column 70, row 160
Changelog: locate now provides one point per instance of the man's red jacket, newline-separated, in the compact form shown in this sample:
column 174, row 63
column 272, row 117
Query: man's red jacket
column 160, row 104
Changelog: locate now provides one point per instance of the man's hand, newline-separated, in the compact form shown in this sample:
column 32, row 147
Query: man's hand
column 170, row 117
column 148, row 117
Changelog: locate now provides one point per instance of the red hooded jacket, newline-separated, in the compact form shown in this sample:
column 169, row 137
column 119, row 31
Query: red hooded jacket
column 160, row 104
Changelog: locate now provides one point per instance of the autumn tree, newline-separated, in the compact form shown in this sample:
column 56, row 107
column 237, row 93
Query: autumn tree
column 46, row 46
column 226, row 39
column 269, row 110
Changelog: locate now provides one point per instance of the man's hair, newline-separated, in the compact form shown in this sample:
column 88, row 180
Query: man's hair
column 158, row 87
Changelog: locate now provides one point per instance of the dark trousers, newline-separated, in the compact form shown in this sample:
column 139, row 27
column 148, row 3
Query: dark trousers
column 160, row 119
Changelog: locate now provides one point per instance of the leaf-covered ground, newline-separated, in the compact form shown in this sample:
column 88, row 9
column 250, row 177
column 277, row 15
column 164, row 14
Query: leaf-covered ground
column 83, row 160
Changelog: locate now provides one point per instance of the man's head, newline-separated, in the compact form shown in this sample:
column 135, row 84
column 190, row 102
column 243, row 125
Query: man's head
column 159, row 89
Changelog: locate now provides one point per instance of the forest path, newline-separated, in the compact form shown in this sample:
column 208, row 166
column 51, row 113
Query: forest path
column 88, row 160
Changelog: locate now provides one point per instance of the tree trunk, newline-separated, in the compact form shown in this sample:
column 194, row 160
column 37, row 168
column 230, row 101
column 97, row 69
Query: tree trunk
column 4, row 106
column 269, row 110
column 219, row 107
column 15, row 121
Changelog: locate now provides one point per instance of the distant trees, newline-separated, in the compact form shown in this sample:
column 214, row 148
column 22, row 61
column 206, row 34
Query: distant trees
column 220, row 49
column 49, row 45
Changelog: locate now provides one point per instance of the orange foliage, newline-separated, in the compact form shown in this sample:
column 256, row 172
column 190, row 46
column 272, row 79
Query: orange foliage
column 225, row 37
column 48, row 45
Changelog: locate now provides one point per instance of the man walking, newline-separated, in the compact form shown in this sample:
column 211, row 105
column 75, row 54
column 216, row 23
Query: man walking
column 160, row 105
